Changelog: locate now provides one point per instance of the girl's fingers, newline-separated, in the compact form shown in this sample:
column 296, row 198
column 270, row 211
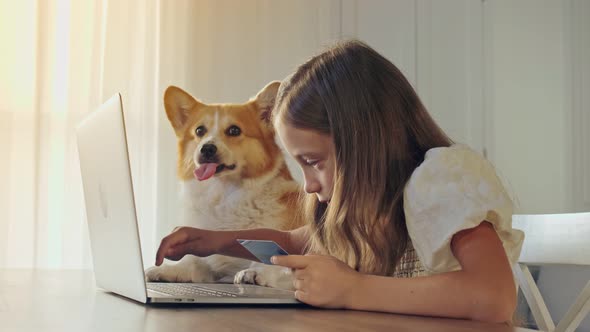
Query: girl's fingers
column 299, row 284
column 177, row 252
column 301, row 295
column 168, row 242
column 298, row 274
column 292, row 261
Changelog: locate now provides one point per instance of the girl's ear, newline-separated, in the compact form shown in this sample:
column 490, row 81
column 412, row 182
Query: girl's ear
column 179, row 105
column 265, row 100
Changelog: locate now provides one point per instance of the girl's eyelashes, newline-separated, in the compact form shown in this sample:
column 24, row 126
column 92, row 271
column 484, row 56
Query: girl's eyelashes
column 308, row 161
column 312, row 163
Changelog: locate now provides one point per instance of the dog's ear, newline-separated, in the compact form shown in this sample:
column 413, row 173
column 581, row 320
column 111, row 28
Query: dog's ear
column 179, row 105
column 265, row 100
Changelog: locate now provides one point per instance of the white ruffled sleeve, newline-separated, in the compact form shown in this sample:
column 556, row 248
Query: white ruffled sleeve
column 455, row 188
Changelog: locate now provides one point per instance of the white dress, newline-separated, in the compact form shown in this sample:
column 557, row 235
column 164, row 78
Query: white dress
column 455, row 188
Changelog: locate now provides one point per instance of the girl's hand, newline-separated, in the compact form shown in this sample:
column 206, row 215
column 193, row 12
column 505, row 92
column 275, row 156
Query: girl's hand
column 321, row 281
column 188, row 240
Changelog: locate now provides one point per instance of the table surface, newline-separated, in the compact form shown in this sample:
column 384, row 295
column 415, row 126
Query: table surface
column 67, row 300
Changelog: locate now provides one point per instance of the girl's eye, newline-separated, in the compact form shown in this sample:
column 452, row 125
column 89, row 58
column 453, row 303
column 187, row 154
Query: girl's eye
column 234, row 131
column 312, row 162
column 201, row 131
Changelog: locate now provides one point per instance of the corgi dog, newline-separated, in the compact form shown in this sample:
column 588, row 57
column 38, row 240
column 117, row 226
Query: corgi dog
column 233, row 176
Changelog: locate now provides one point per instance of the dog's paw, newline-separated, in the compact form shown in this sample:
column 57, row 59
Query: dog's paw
column 166, row 273
column 152, row 274
column 268, row 276
column 247, row 276
column 179, row 273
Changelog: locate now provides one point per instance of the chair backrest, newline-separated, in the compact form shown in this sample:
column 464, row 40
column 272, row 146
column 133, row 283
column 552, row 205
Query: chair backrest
column 553, row 239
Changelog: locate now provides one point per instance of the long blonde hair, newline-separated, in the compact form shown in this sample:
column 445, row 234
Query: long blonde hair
column 380, row 131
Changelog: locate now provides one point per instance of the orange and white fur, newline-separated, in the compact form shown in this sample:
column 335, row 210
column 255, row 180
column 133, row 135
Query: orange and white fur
column 233, row 176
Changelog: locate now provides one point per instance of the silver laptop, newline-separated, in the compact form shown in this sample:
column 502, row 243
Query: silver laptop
column 113, row 228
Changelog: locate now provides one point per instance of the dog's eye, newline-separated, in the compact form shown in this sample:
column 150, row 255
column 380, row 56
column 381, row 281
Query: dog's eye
column 234, row 131
column 201, row 131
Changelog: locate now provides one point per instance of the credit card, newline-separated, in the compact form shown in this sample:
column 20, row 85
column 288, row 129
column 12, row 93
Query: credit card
column 263, row 249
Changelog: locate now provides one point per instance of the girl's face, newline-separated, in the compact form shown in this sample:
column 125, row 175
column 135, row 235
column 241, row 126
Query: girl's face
column 314, row 152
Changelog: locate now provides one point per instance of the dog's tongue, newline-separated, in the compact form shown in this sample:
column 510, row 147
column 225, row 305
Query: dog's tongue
column 205, row 171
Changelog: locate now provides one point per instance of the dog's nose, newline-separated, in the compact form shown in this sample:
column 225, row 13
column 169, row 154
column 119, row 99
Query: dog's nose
column 208, row 150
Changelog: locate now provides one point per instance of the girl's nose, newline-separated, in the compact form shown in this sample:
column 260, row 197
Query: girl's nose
column 311, row 186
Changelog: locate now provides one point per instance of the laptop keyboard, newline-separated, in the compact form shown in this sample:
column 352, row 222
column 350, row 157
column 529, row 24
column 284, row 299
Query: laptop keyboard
column 187, row 290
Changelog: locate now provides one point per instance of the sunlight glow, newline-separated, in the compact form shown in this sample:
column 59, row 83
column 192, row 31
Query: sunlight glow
column 56, row 146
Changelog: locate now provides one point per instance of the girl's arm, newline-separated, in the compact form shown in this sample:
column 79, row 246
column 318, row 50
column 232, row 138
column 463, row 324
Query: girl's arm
column 202, row 242
column 483, row 290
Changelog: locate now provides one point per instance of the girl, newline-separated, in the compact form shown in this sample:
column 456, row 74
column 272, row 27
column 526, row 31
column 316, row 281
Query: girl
column 400, row 219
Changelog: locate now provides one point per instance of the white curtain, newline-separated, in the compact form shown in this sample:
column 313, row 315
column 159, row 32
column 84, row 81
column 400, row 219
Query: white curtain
column 60, row 59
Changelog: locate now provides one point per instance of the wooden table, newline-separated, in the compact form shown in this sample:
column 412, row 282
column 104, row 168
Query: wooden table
column 67, row 300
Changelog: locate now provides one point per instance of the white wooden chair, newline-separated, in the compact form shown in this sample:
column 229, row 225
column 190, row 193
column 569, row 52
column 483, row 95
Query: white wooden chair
column 562, row 239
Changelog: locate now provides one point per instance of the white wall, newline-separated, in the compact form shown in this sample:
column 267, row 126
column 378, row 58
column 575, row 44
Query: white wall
column 578, row 86
column 449, row 67
column 527, row 111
